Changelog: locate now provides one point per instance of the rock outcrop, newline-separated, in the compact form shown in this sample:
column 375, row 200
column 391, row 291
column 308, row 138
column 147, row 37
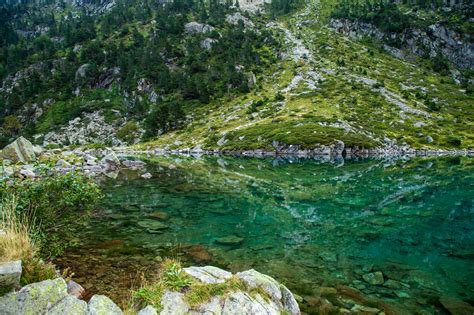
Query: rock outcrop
column 197, row 28
column 263, row 295
column 436, row 38
column 51, row 297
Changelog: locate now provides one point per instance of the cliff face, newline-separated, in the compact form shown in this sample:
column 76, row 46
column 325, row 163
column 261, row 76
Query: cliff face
column 435, row 39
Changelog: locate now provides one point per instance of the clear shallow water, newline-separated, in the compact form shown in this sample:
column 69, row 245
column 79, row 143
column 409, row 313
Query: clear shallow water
column 308, row 224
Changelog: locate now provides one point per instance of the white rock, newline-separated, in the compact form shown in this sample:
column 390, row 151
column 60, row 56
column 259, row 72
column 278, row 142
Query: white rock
column 255, row 279
column 100, row 305
column 149, row 310
column 146, row 176
column 208, row 274
column 10, row 273
column 173, row 304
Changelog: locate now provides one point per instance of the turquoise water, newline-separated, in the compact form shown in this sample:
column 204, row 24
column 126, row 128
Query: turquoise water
column 305, row 222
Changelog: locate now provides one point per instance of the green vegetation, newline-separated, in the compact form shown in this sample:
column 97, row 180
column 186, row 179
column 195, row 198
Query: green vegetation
column 18, row 241
column 48, row 206
column 105, row 56
column 171, row 277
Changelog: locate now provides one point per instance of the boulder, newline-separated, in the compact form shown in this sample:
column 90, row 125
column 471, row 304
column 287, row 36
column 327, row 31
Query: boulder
column 146, row 176
column 100, row 305
column 149, row 310
column 62, row 164
column 20, row 150
column 111, row 160
column 207, row 43
column 197, row 28
column 35, row 298
column 255, row 279
column 173, row 303
column 27, row 173
column 69, row 305
column 208, row 274
column 242, row 303
column 235, row 19
column 214, row 306
column 10, row 273
column 75, row 289
column 289, row 302
column 374, row 278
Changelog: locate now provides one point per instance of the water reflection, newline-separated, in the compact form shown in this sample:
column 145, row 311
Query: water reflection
column 399, row 230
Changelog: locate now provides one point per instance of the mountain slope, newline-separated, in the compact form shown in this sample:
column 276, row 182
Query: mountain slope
column 331, row 88
column 195, row 74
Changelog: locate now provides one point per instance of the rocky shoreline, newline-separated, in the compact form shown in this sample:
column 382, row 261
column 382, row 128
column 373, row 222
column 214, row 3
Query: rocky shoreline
column 263, row 295
column 23, row 159
column 336, row 150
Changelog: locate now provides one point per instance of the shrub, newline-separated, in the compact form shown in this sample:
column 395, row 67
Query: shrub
column 54, row 196
column 51, row 201
column 454, row 141
column 128, row 132
column 18, row 242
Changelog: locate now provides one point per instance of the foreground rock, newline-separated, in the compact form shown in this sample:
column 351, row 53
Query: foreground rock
column 263, row 295
column 10, row 273
column 51, row 297
column 20, row 150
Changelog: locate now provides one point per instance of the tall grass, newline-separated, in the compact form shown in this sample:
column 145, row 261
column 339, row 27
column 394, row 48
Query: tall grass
column 15, row 237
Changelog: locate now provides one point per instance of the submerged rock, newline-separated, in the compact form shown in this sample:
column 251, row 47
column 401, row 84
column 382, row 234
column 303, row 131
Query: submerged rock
column 456, row 306
column 374, row 278
column 199, row 253
column 159, row 215
column 230, row 240
column 153, row 226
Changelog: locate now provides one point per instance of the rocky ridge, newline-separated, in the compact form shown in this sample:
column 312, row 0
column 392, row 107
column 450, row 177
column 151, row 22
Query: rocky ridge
column 437, row 38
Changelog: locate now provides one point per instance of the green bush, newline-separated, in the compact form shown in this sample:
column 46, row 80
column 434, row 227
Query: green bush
column 128, row 132
column 52, row 200
column 54, row 195
column 454, row 141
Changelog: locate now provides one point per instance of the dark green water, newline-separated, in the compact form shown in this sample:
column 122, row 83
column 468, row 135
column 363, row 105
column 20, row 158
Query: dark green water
column 306, row 223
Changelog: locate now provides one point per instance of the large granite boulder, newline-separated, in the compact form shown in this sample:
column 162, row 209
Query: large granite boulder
column 101, row 305
column 20, row 150
column 36, row 298
column 51, row 297
column 264, row 295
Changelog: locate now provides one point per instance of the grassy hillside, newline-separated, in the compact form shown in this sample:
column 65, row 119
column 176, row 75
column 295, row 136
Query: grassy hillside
column 344, row 90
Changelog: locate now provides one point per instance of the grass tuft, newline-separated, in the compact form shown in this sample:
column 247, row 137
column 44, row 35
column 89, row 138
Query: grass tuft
column 15, row 240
